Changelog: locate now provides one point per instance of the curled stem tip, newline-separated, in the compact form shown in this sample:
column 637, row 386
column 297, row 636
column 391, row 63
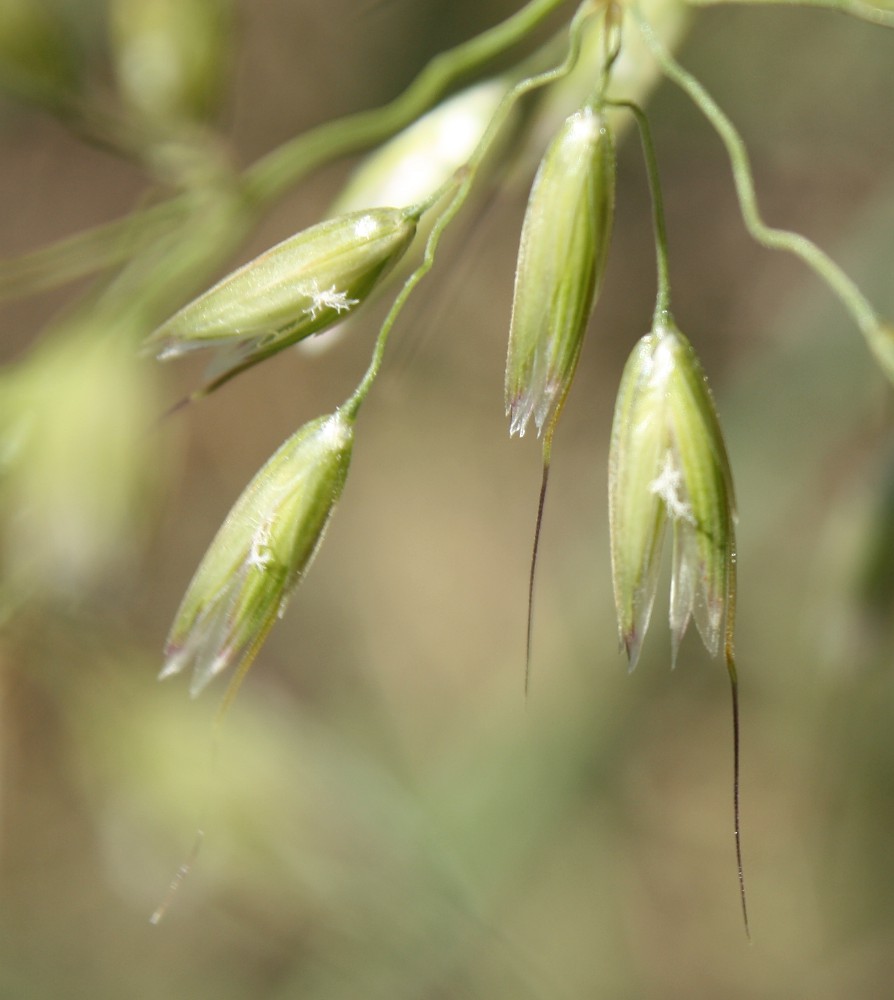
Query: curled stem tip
column 823, row 266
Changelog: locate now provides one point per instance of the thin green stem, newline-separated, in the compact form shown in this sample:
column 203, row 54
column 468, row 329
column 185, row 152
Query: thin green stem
column 353, row 404
column 464, row 178
column 612, row 31
column 662, row 298
column 282, row 168
column 271, row 176
column 777, row 239
column 853, row 8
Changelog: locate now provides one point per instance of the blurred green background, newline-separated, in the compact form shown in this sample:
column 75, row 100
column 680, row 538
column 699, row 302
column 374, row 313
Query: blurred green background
column 385, row 815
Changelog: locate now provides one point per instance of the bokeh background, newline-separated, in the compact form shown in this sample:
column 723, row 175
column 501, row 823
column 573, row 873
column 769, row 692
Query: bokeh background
column 385, row 815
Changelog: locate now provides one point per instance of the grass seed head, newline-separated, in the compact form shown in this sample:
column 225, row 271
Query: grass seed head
column 564, row 245
column 417, row 162
column 261, row 552
column 300, row 287
column 668, row 465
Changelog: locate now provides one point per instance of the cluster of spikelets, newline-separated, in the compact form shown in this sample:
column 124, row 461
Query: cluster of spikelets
column 298, row 288
column 668, row 462
column 668, row 466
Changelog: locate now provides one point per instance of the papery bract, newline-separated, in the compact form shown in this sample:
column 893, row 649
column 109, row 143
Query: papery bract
column 562, row 254
column 261, row 552
column 300, row 287
column 668, row 463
